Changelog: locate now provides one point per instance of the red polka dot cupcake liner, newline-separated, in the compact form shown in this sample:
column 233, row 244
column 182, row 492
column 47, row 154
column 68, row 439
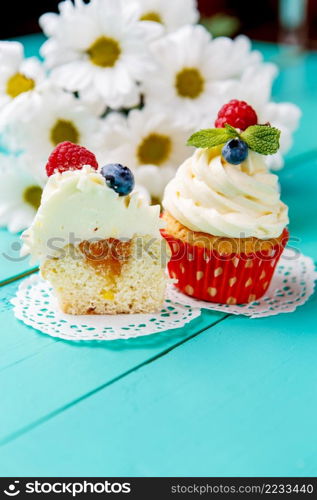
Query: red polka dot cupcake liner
column 231, row 279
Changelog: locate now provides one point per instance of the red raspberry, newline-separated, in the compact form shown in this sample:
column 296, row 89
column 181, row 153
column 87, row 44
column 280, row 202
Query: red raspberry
column 238, row 114
column 69, row 156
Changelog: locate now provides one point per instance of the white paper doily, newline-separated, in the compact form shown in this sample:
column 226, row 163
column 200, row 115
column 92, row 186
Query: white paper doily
column 35, row 305
column 292, row 285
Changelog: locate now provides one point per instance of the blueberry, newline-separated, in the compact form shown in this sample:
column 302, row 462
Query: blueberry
column 235, row 151
column 118, row 178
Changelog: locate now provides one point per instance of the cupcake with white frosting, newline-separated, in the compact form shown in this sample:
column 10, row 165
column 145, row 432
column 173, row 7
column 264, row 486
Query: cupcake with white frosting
column 225, row 222
column 98, row 242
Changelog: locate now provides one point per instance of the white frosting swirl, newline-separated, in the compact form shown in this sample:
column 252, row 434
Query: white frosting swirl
column 79, row 205
column 237, row 201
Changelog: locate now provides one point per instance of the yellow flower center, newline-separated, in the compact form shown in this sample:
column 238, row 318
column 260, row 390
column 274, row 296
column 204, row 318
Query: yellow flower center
column 154, row 149
column 189, row 83
column 18, row 83
column 152, row 16
column 104, row 52
column 64, row 130
column 32, row 196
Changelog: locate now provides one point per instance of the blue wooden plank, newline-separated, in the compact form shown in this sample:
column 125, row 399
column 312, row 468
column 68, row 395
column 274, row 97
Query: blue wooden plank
column 39, row 375
column 32, row 43
column 238, row 400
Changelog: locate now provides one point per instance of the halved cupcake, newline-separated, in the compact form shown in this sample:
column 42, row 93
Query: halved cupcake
column 99, row 246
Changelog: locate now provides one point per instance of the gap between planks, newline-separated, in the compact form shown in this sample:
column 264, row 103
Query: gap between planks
column 15, row 435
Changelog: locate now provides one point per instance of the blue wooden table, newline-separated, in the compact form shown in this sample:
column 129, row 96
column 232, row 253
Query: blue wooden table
column 224, row 396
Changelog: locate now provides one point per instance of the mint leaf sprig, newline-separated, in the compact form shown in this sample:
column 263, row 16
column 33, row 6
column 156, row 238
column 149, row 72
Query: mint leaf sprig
column 262, row 139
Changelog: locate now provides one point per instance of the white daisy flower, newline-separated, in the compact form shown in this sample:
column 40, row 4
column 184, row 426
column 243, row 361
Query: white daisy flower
column 255, row 88
column 100, row 46
column 18, row 76
column 152, row 144
column 189, row 64
column 58, row 116
column 20, row 194
column 171, row 14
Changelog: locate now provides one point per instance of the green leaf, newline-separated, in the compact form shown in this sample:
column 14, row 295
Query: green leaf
column 262, row 138
column 212, row 137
